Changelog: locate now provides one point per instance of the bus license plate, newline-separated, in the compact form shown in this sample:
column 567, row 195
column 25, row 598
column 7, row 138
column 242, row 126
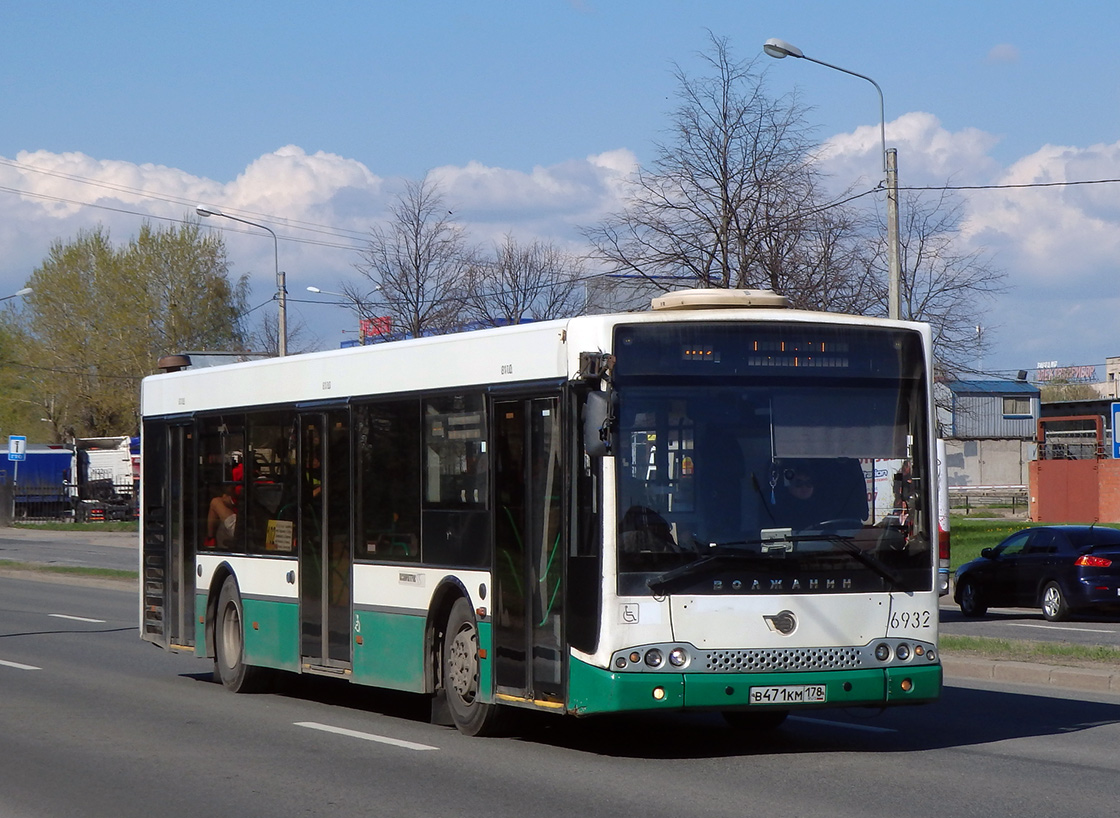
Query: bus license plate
column 788, row 694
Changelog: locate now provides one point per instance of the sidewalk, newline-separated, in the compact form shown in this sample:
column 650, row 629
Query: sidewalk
column 120, row 539
column 1087, row 679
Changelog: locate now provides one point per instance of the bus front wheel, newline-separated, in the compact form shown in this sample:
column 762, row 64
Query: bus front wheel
column 461, row 674
column 229, row 643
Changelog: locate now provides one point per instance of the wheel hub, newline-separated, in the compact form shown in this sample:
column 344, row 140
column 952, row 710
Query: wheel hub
column 463, row 665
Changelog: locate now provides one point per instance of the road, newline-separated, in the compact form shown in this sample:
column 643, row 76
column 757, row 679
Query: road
column 1028, row 623
column 85, row 549
column 97, row 723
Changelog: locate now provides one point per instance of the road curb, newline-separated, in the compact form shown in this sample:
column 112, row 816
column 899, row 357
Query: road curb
column 1094, row 680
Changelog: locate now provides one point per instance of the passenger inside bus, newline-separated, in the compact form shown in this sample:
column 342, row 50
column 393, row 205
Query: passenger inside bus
column 221, row 519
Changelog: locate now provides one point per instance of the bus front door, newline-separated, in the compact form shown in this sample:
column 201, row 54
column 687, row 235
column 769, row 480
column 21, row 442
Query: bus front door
column 324, row 540
column 528, row 528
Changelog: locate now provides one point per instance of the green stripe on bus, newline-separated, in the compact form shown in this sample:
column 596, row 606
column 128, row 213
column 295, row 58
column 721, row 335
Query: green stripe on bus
column 200, row 645
column 391, row 653
column 271, row 633
column 594, row 690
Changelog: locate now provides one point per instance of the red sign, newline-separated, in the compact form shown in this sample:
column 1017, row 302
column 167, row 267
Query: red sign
column 381, row 325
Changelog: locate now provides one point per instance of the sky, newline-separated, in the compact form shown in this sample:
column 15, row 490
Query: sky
column 530, row 114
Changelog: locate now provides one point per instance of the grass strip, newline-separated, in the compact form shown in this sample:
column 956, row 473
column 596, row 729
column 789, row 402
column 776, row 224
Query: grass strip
column 72, row 570
column 53, row 525
column 1025, row 650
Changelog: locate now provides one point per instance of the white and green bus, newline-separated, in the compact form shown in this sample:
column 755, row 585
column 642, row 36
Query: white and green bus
column 717, row 505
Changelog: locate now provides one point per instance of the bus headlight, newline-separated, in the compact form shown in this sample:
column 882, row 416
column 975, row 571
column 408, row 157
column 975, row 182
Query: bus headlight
column 902, row 652
column 654, row 657
column 882, row 651
column 678, row 657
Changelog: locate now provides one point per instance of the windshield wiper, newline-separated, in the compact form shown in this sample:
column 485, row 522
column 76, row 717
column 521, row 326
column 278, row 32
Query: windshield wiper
column 854, row 550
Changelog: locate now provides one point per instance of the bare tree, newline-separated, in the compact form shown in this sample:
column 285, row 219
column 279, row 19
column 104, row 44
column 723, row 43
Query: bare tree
column 264, row 337
column 535, row 281
column 734, row 198
column 942, row 284
column 414, row 266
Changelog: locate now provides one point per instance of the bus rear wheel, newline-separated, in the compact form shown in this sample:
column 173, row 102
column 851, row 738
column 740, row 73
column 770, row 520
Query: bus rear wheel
column 461, row 675
column 229, row 643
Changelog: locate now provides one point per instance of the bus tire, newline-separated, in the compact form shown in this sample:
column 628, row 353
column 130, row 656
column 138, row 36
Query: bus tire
column 461, row 675
column 760, row 721
column 229, row 644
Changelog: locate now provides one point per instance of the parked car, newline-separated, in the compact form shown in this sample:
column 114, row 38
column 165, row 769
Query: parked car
column 1060, row 569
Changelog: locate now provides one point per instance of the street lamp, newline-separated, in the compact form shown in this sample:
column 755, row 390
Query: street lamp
column 281, row 278
column 359, row 308
column 17, row 294
column 779, row 49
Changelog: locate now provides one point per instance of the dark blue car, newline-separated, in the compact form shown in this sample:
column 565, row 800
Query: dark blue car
column 1061, row 569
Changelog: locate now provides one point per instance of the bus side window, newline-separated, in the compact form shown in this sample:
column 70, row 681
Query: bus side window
column 388, row 481
column 456, row 460
column 221, row 471
column 269, row 507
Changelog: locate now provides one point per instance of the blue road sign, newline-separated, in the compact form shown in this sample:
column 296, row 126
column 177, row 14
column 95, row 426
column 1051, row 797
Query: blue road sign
column 17, row 447
column 1115, row 428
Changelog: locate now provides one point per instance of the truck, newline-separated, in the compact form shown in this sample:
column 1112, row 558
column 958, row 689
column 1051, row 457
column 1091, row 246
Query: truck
column 106, row 468
column 43, row 484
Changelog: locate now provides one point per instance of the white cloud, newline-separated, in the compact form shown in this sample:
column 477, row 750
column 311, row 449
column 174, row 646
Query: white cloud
column 927, row 153
column 1067, row 236
column 1058, row 245
column 560, row 198
column 320, row 205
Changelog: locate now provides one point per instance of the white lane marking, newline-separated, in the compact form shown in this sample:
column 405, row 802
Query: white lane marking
column 77, row 618
column 865, row 727
column 342, row 731
column 1055, row 627
column 18, row 666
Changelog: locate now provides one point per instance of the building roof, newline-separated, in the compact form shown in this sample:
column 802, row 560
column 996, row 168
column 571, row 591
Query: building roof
column 993, row 387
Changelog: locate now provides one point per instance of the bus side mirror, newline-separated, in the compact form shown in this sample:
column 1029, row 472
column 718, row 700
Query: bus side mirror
column 597, row 424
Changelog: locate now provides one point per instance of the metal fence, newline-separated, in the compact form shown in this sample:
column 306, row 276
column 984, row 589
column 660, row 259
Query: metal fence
column 95, row 501
column 988, row 500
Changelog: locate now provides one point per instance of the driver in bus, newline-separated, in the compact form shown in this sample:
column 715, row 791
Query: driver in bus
column 828, row 491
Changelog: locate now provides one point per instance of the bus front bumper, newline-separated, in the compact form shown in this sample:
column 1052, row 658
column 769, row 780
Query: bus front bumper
column 595, row 690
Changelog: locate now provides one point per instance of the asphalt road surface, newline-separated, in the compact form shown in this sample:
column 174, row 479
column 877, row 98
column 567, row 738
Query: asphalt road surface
column 1028, row 623
column 94, row 722
column 86, row 549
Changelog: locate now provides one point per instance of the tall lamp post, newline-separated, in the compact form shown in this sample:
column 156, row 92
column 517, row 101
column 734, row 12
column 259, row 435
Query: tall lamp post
column 780, row 49
column 281, row 278
column 17, row 294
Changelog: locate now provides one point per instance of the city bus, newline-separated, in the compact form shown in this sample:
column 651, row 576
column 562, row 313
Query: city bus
column 667, row 510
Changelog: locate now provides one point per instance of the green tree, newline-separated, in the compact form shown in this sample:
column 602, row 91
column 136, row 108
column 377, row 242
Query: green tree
column 20, row 412
column 99, row 318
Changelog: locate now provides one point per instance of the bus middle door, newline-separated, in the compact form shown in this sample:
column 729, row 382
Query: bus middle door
column 529, row 550
column 324, row 539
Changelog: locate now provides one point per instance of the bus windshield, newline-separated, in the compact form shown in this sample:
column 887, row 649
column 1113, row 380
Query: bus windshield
column 771, row 459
